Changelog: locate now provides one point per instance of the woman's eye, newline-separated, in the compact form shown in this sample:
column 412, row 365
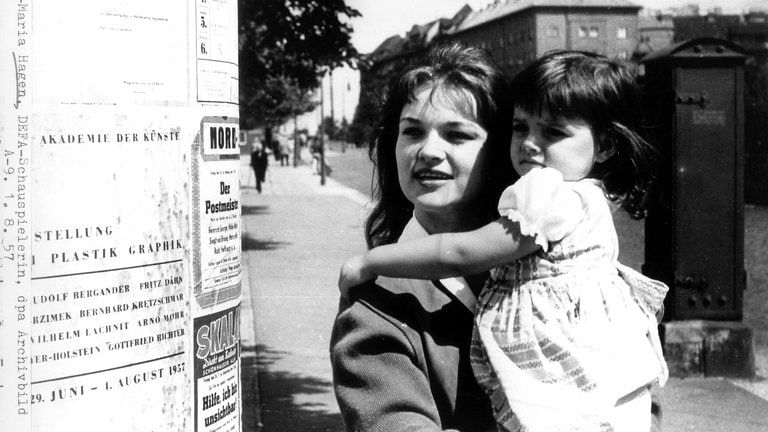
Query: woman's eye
column 459, row 136
column 411, row 131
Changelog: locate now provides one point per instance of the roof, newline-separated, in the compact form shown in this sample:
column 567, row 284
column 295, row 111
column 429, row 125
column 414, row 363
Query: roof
column 391, row 45
column 507, row 7
column 419, row 36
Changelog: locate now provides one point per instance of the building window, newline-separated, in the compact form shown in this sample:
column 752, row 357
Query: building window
column 553, row 31
column 621, row 33
column 582, row 32
column 530, row 35
column 593, row 33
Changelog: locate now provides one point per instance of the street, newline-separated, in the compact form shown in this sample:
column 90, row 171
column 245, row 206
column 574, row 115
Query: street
column 296, row 235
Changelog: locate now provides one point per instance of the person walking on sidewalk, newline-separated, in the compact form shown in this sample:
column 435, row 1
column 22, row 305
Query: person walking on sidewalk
column 286, row 151
column 259, row 163
column 400, row 348
column 565, row 337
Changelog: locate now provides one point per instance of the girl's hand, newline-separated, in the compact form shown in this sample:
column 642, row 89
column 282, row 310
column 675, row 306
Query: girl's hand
column 353, row 273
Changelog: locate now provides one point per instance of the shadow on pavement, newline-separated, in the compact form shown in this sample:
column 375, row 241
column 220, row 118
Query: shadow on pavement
column 254, row 210
column 250, row 243
column 281, row 388
column 251, row 401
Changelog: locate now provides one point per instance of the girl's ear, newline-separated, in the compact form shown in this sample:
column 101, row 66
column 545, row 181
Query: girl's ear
column 605, row 150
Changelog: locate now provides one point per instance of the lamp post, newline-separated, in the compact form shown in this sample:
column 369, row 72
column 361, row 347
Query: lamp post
column 332, row 132
column 322, row 131
column 296, row 146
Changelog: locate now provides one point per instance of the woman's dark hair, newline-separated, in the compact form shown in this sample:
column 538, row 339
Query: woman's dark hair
column 446, row 67
column 603, row 92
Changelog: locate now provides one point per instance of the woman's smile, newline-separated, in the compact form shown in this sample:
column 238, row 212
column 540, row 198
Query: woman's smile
column 429, row 176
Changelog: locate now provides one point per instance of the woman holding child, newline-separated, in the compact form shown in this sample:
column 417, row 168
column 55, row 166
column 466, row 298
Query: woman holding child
column 564, row 336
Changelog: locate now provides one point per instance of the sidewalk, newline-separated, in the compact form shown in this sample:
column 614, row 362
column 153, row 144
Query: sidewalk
column 296, row 234
column 693, row 404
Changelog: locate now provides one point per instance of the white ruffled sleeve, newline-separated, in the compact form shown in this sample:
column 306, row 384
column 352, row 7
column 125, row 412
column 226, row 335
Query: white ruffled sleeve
column 544, row 205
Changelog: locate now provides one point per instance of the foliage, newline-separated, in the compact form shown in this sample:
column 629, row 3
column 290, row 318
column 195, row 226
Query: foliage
column 373, row 86
column 336, row 130
column 285, row 47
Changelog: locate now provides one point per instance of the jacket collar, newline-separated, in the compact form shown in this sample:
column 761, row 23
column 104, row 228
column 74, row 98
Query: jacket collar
column 456, row 286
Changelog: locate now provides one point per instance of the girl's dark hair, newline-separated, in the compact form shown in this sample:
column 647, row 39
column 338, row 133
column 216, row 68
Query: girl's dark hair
column 603, row 92
column 449, row 67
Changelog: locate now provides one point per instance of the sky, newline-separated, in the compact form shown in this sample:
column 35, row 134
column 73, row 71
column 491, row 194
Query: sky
column 384, row 18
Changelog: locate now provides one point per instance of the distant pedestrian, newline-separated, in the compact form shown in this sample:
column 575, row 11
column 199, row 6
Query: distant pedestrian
column 276, row 148
column 259, row 162
column 285, row 153
column 301, row 138
column 316, row 150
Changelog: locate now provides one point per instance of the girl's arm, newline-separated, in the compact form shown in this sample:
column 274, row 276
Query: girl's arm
column 441, row 255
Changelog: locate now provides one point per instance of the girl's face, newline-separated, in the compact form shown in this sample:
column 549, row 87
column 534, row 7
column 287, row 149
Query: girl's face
column 439, row 151
column 567, row 145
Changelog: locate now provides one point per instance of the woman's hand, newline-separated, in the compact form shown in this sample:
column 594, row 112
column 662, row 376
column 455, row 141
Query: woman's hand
column 353, row 273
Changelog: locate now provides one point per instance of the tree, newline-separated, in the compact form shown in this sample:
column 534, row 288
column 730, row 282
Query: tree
column 374, row 81
column 330, row 128
column 285, row 48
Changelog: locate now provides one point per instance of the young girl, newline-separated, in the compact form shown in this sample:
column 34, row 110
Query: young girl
column 565, row 337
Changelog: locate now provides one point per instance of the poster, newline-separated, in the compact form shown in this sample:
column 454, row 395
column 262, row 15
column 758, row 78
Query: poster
column 216, row 216
column 120, row 230
column 217, row 55
column 217, row 372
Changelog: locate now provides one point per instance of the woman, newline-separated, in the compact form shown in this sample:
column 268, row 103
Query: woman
column 400, row 353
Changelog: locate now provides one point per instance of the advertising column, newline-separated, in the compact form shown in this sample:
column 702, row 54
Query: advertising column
column 121, row 235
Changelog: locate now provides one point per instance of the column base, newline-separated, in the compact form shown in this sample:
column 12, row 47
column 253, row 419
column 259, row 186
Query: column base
column 696, row 348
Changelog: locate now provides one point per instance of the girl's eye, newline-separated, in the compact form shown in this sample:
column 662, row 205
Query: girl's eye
column 518, row 128
column 554, row 132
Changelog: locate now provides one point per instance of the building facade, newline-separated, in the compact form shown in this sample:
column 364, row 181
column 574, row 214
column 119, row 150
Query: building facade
column 655, row 33
column 517, row 32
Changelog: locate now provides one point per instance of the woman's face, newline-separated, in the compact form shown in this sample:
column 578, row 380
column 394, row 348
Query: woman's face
column 439, row 151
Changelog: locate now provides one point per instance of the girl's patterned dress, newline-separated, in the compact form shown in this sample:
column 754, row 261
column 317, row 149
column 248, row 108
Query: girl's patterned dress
column 566, row 339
